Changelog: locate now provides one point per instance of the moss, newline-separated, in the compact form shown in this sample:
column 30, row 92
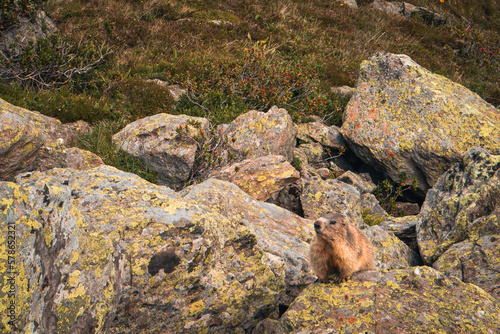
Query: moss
column 372, row 219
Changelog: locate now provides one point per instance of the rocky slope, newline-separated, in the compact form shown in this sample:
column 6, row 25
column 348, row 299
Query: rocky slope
column 87, row 248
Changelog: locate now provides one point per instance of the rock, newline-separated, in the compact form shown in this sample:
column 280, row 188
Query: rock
column 424, row 14
column 458, row 228
column 256, row 134
column 406, row 208
column 105, row 251
column 163, row 147
column 289, row 198
column 364, row 182
column 389, row 7
column 176, row 90
column 410, row 11
column 372, row 212
column 344, row 91
column 310, row 153
column 277, row 231
column 445, row 305
column 404, row 119
column 57, row 156
column 261, row 178
column 399, row 224
column 349, row 3
column 474, row 261
column 390, row 252
column 324, row 173
column 16, row 38
column 328, row 136
column 32, row 141
column 319, row 197
column 404, row 228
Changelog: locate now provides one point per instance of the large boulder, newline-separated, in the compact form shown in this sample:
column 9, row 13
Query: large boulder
column 458, row 229
column 32, row 141
column 282, row 235
column 256, row 134
column 105, row 251
column 262, row 178
column 405, row 119
column 166, row 144
column 413, row 300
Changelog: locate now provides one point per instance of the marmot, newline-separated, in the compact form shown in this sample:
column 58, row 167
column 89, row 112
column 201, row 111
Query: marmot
column 339, row 248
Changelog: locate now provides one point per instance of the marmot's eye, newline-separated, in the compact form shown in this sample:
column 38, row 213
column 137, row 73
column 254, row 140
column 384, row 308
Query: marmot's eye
column 332, row 222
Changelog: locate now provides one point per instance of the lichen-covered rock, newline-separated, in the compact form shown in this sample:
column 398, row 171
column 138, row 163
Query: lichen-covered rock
column 280, row 233
column 371, row 209
column 328, row 136
column 165, row 144
column 363, row 182
column 310, row 153
column 262, row 178
column 404, row 228
column 32, row 141
column 105, row 251
column 405, row 119
column 390, row 7
column 414, row 300
column 476, row 262
column 256, row 134
column 459, row 225
column 421, row 13
column 390, row 252
column 319, row 197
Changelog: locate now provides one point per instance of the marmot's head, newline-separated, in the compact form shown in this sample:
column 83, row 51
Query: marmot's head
column 332, row 226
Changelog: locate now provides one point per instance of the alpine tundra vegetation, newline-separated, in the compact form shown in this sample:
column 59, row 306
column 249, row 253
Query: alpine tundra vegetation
column 162, row 164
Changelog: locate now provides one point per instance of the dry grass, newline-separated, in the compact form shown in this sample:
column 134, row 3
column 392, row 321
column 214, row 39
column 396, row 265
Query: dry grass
column 153, row 37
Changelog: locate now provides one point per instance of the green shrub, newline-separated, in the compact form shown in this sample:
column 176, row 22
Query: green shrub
column 387, row 193
column 53, row 61
column 296, row 163
column 12, row 10
column 62, row 104
column 257, row 80
column 141, row 98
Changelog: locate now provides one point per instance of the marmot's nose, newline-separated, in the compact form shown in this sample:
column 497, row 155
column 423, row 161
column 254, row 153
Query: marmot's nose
column 317, row 225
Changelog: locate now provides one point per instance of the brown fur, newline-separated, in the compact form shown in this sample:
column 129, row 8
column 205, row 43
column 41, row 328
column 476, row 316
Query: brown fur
column 339, row 248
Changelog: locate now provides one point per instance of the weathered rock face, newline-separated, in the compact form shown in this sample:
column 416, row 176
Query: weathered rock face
column 459, row 225
column 362, row 182
column 405, row 119
column 390, row 252
column 283, row 235
column 310, row 154
column 328, row 136
column 165, row 143
column 32, row 141
column 319, row 197
column 416, row 300
column 262, row 178
column 256, row 134
column 105, row 251
column 410, row 11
